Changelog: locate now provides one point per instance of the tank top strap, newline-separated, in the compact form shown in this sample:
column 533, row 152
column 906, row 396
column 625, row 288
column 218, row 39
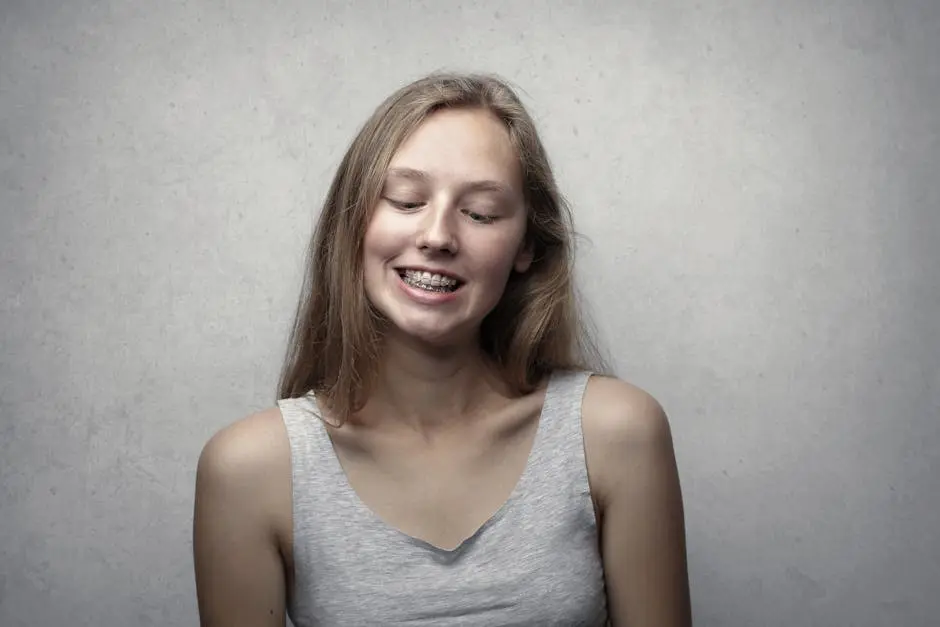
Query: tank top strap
column 558, row 450
column 301, row 417
column 314, row 467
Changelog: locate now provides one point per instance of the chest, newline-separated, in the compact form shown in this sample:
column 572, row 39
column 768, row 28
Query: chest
column 536, row 563
column 515, row 586
column 440, row 493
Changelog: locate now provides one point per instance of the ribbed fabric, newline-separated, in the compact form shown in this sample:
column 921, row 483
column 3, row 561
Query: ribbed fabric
column 534, row 562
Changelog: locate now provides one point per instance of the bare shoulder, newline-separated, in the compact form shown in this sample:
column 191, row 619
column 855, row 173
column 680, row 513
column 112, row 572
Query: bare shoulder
column 618, row 416
column 633, row 473
column 245, row 467
column 241, row 523
column 247, row 447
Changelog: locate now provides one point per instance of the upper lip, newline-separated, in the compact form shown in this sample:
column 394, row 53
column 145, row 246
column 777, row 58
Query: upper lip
column 431, row 270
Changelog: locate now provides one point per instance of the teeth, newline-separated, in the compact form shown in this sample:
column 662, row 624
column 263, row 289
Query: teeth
column 426, row 278
column 430, row 282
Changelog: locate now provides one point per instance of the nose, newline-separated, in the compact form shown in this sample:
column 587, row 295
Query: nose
column 437, row 232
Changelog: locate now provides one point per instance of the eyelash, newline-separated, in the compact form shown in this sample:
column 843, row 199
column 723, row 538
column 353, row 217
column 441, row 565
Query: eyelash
column 411, row 206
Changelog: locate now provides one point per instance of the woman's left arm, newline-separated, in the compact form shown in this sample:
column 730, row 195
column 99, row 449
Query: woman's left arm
column 642, row 529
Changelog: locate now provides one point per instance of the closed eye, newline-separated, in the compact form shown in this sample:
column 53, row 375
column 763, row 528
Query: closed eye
column 479, row 217
column 405, row 206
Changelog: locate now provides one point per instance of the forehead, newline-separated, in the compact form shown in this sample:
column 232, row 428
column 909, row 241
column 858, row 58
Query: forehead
column 459, row 145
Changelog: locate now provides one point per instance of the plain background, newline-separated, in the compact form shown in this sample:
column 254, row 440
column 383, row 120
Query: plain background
column 756, row 184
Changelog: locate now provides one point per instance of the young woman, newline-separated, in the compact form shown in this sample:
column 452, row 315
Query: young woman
column 442, row 452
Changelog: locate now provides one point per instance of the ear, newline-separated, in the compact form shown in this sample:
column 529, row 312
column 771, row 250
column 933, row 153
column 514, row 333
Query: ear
column 524, row 256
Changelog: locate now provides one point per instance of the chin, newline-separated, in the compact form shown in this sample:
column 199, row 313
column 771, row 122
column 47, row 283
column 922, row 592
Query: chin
column 434, row 337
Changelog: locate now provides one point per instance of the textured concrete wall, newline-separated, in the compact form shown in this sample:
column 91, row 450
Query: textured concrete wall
column 758, row 187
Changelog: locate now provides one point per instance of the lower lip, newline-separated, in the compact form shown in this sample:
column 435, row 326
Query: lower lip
column 425, row 296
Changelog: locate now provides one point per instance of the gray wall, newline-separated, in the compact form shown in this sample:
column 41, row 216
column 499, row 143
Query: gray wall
column 757, row 184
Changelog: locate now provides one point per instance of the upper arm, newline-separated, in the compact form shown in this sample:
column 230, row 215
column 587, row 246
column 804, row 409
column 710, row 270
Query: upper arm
column 632, row 465
column 240, row 492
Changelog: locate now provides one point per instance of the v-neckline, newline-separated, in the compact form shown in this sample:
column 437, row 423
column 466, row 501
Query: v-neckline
column 517, row 493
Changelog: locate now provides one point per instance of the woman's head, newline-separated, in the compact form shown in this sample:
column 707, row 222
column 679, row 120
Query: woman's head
column 448, row 229
column 448, row 174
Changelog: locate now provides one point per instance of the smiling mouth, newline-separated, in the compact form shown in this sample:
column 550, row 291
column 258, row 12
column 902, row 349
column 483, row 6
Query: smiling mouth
column 429, row 282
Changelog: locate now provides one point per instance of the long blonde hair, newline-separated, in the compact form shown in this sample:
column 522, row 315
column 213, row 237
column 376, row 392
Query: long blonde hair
column 537, row 326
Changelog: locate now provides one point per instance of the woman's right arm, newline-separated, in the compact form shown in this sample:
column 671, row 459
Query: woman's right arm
column 240, row 492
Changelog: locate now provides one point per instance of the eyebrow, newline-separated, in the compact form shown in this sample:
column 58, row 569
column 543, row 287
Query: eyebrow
column 472, row 186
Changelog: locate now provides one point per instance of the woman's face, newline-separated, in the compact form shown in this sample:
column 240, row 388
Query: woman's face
column 448, row 229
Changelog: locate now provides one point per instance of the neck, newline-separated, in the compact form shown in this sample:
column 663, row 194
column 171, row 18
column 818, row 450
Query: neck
column 430, row 389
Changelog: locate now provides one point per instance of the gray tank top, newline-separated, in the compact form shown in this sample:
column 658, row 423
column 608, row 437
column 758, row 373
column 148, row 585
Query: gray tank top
column 534, row 562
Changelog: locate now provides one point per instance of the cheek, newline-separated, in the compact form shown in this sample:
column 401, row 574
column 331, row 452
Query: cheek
column 381, row 240
column 499, row 255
